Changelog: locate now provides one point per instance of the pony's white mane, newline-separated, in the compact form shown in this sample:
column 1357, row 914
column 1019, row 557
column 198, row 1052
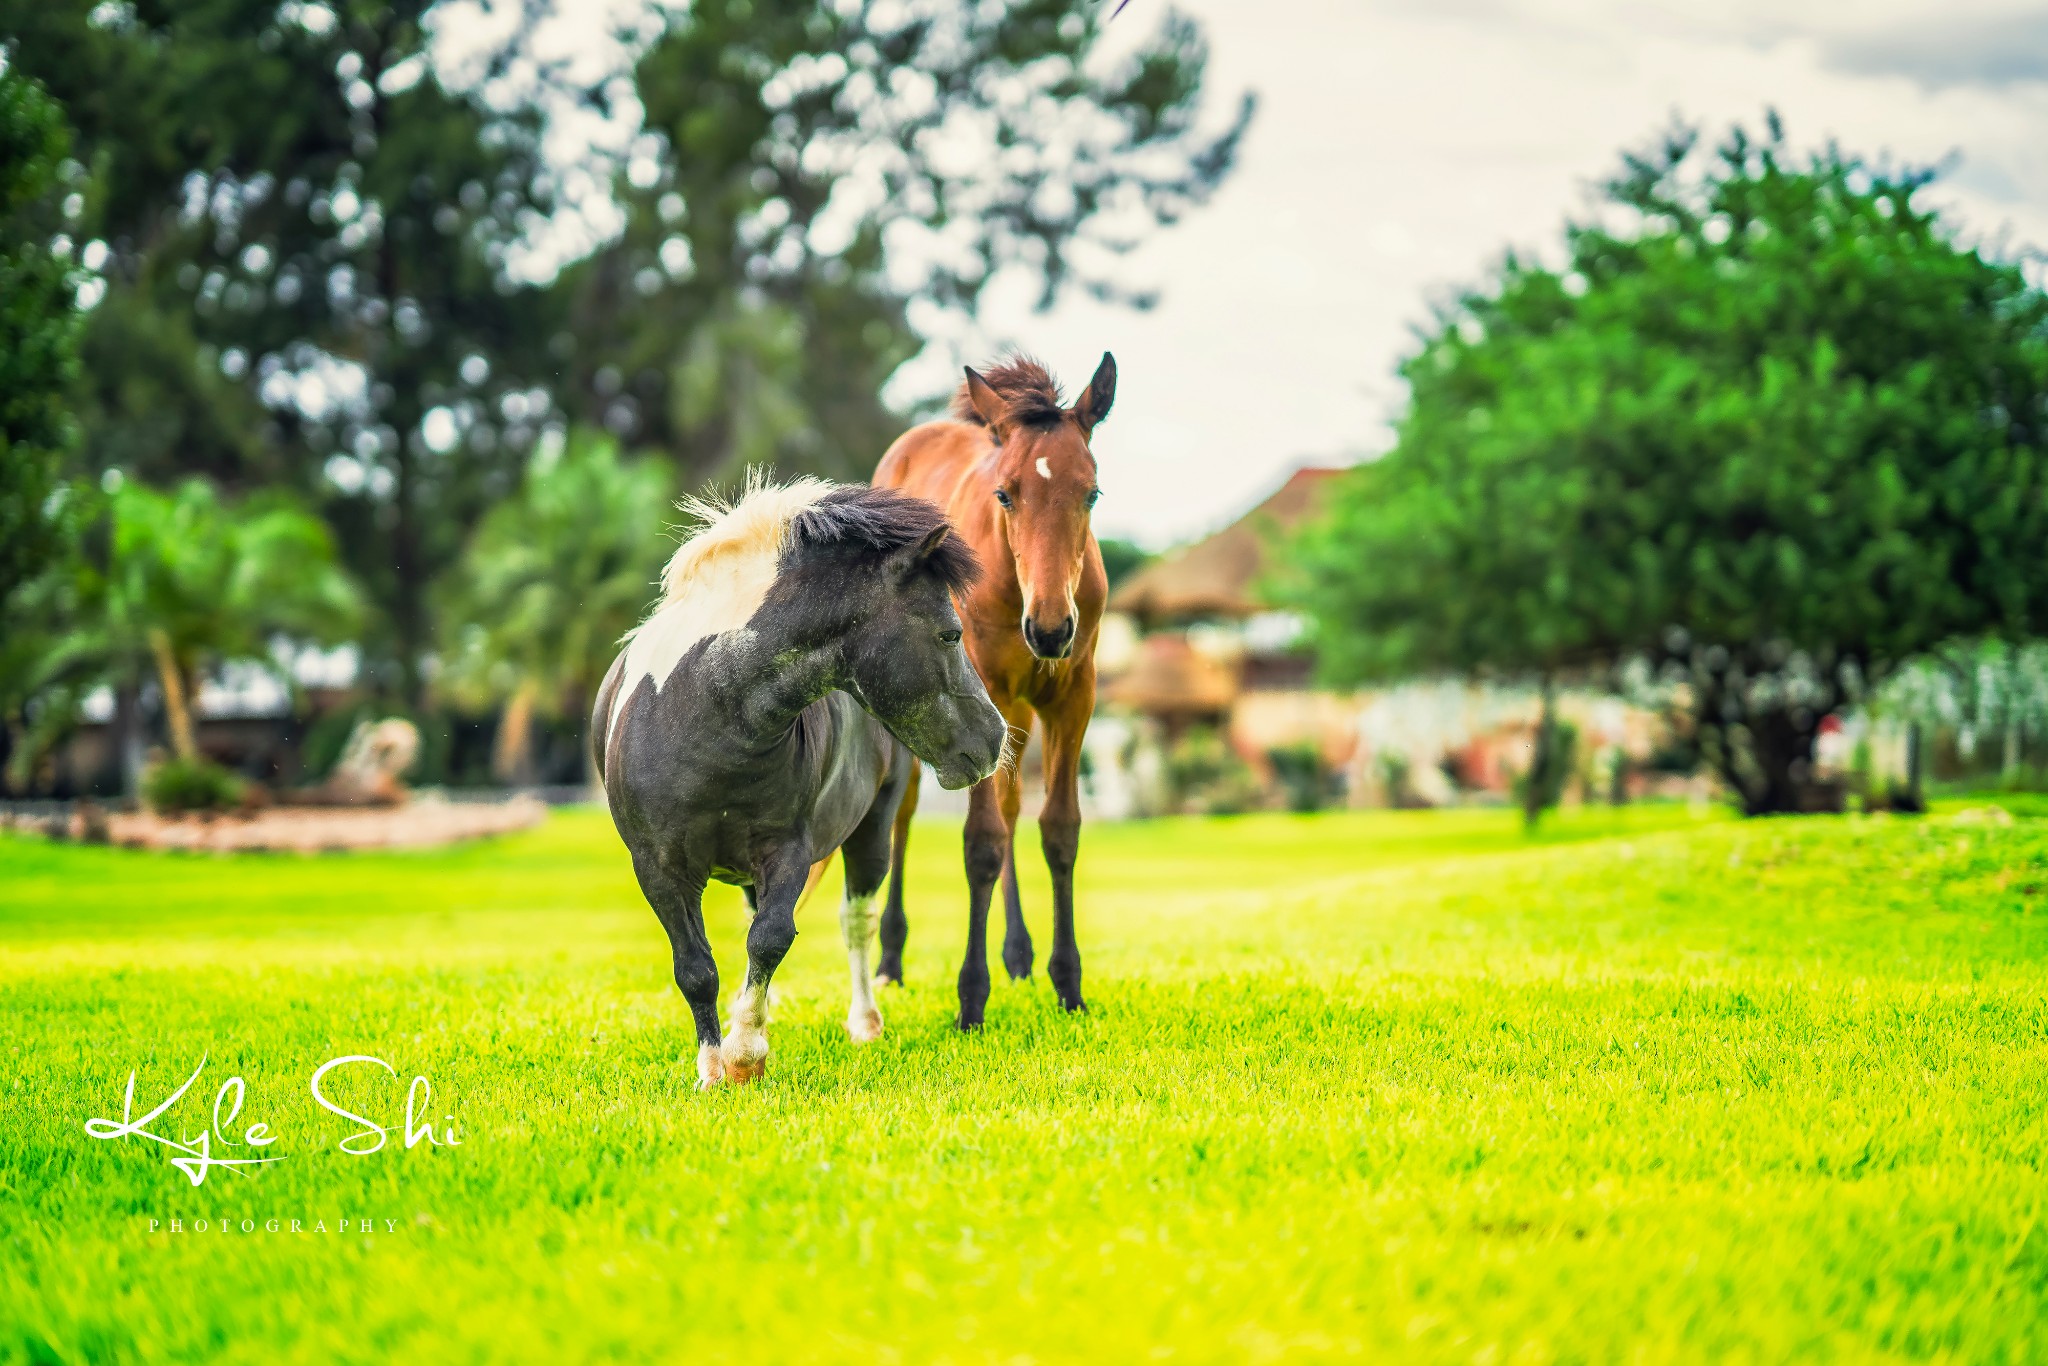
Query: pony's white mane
column 719, row 575
column 752, row 524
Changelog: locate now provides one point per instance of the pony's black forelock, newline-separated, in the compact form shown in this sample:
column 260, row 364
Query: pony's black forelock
column 882, row 521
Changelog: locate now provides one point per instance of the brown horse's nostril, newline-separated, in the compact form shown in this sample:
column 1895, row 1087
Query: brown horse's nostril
column 1052, row 644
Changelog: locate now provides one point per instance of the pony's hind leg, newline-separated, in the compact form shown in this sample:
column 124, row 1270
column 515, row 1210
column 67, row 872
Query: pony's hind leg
column 778, row 884
column 679, row 904
column 866, row 855
column 896, row 925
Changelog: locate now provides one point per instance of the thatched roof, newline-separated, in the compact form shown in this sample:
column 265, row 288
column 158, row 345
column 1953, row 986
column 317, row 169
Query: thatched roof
column 1215, row 576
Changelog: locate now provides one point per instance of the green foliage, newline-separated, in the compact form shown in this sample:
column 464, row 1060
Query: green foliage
column 176, row 785
column 1552, row 762
column 813, row 173
column 329, row 259
column 1305, row 780
column 220, row 582
column 1770, row 432
column 309, row 252
column 1121, row 559
column 224, row 581
column 1207, row 776
column 555, row 575
column 38, row 326
column 1644, row 1089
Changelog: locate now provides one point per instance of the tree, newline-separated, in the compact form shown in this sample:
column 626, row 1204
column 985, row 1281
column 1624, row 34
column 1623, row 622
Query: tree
column 192, row 582
column 38, row 330
column 818, row 182
column 1771, row 431
column 311, row 244
column 549, row 582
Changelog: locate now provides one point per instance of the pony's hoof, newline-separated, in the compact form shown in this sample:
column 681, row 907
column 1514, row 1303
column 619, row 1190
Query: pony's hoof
column 745, row 1057
column 864, row 1028
column 710, row 1067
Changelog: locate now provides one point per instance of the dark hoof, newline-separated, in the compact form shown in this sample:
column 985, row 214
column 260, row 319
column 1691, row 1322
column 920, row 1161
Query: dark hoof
column 1073, row 1003
column 1018, row 963
column 966, row 1025
column 888, row 979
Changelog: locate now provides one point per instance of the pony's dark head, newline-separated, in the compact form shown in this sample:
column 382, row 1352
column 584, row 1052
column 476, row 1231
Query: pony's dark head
column 1042, row 474
column 891, row 565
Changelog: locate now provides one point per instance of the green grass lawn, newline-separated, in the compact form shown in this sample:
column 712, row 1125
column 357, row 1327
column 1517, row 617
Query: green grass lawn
column 1654, row 1087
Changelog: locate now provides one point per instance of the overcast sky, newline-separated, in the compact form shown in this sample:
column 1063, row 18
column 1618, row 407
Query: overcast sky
column 1401, row 144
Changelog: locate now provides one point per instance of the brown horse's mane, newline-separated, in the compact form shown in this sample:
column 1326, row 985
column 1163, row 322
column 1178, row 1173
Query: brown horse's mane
column 1023, row 383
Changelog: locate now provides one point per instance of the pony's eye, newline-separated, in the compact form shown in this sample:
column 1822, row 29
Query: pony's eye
column 950, row 637
column 1003, row 497
column 1094, row 497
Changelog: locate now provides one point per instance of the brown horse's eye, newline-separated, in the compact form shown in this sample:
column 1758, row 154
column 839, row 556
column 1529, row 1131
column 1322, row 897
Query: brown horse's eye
column 1003, row 497
column 1094, row 497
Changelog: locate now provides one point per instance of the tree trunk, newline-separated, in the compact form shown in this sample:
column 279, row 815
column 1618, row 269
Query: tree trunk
column 512, row 756
column 177, row 711
column 126, row 759
column 1912, row 799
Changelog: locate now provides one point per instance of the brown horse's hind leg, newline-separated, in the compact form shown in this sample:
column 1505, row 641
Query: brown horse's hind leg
column 895, row 925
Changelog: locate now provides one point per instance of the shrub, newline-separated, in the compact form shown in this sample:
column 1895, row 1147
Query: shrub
column 1305, row 780
column 177, row 785
column 1208, row 777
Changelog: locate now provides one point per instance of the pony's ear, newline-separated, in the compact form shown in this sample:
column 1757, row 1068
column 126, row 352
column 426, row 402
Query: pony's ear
column 914, row 557
column 988, row 404
column 1093, row 405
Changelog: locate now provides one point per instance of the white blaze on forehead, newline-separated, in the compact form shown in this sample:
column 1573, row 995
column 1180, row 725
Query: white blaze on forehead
column 717, row 578
column 1044, row 468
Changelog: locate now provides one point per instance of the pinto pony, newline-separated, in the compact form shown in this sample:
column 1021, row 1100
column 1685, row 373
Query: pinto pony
column 1014, row 473
column 765, row 714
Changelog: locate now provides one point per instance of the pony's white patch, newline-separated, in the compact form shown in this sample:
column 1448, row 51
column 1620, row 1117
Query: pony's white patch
column 1044, row 468
column 717, row 578
column 710, row 1066
column 857, row 926
column 745, row 1050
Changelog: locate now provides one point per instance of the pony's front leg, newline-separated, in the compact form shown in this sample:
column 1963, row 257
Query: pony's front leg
column 778, row 886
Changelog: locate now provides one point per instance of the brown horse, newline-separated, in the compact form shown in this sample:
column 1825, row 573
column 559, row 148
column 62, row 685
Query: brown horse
column 1015, row 476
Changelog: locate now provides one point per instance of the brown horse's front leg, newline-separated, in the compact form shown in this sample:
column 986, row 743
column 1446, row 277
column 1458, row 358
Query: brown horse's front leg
column 986, row 837
column 1059, row 835
column 1017, row 954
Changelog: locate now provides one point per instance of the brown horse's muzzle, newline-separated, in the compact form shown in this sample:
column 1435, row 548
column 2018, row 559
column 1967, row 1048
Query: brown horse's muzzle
column 1054, row 642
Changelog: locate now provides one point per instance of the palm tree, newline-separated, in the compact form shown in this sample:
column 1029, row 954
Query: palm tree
column 187, row 582
column 193, row 582
column 533, row 612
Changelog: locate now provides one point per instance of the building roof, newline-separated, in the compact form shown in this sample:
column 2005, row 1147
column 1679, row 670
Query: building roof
column 1216, row 576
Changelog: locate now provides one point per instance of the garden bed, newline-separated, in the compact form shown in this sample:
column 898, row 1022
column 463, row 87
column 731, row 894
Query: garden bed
column 425, row 821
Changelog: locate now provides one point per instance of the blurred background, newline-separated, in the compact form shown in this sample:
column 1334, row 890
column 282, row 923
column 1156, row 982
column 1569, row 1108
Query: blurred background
column 1581, row 402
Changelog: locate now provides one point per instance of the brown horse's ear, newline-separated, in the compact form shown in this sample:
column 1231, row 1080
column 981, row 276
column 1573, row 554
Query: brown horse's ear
column 1093, row 405
column 987, row 403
